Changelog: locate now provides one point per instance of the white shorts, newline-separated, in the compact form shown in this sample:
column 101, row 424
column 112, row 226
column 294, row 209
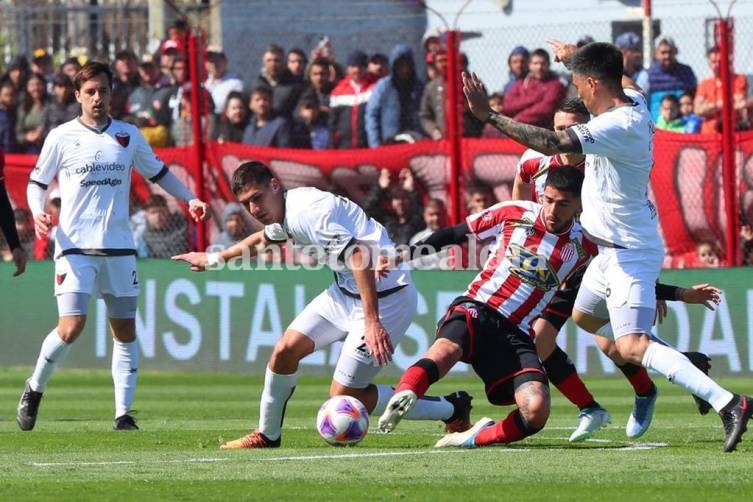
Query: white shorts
column 621, row 283
column 96, row 275
column 332, row 316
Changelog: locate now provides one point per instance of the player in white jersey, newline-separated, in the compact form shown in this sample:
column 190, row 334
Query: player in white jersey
column 369, row 316
column 92, row 157
column 620, row 281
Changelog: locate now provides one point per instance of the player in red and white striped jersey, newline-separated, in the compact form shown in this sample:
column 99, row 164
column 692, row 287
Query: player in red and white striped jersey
column 536, row 248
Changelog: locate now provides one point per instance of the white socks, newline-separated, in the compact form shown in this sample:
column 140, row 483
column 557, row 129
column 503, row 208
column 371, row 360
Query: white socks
column 274, row 397
column 679, row 370
column 426, row 408
column 125, row 366
column 53, row 350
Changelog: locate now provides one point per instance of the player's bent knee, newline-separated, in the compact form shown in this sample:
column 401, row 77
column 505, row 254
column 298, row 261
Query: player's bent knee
column 289, row 349
column 70, row 327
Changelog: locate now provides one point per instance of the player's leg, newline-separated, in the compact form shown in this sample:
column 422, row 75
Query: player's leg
column 125, row 357
column 563, row 375
column 320, row 323
column 510, row 368
column 452, row 335
column 119, row 288
column 74, row 280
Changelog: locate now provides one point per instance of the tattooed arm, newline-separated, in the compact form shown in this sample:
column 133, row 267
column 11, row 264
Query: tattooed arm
column 540, row 139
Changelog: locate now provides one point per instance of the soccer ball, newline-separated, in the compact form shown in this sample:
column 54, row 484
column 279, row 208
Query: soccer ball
column 342, row 421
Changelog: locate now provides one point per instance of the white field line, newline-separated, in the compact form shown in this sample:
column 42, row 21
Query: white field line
column 304, row 458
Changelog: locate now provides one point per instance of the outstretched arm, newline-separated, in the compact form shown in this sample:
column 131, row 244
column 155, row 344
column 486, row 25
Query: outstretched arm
column 248, row 247
column 540, row 139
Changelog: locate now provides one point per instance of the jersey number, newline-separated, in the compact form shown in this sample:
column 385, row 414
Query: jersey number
column 135, row 279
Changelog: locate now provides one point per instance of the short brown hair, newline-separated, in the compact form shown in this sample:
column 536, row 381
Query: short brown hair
column 91, row 70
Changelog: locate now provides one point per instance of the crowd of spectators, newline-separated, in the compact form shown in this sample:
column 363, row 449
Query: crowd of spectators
column 315, row 100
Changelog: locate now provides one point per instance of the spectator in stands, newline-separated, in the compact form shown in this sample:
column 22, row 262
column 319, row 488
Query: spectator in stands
column 397, row 207
column 379, row 65
column 496, row 101
column 631, row 47
column 234, row 118
column 318, row 85
column 125, row 80
column 708, row 255
column 168, row 55
column 478, row 197
column 286, row 89
column 264, row 128
column 347, row 104
column 43, row 64
column 70, row 67
column 708, row 97
column 166, row 232
column 181, row 130
column 393, row 106
column 17, row 72
column 63, row 105
column 179, row 78
column 534, row 99
column 431, row 44
column 309, row 128
column 30, row 118
column 234, row 224
column 220, row 81
column 323, row 50
column 667, row 75
column 517, row 64
column 746, row 239
column 149, row 105
column 431, row 113
column 687, row 112
column 296, row 63
column 8, row 104
column 669, row 115
column 435, row 217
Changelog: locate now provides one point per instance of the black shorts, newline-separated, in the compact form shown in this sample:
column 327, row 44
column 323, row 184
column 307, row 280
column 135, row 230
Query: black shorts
column 500, row 353
column 560, row 308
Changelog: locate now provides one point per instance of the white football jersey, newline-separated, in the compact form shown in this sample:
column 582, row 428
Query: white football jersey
column 94, row 177
column 324, row 225
column 619, row 156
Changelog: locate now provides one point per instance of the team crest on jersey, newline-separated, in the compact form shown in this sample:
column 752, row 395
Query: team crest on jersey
column 531, row 268
column 123, row 138
column 567, row 252
column 60, row 278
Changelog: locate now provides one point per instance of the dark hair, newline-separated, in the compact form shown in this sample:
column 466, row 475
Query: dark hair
column 575, row 106
column 254, row 173
column 379, row 58
column 671, row 98
column 275, row 49
column 126, row 55
column 155, row 200
column 565, row 179
column 713, row 50
column 542, row 53
column 437, row 204
column 298, row 52
column 599, row 60
column 262, row 89
column 91, row 70
column 237, row 95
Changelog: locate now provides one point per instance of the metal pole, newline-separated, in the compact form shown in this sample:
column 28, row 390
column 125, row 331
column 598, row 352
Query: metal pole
column 648, row 35
column 197, row 148
column 729, row 169
column 452, row 123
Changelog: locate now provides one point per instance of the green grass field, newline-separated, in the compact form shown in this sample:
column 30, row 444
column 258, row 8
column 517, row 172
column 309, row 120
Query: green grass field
column 73, row 454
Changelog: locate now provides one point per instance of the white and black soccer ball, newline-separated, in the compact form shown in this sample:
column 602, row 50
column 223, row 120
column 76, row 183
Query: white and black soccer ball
column 342, row 421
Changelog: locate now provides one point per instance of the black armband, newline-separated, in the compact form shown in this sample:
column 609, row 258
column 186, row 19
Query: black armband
column 439, row 239
column 666, row 292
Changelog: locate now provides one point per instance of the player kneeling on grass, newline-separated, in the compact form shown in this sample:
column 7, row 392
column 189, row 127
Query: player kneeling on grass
column 536, row 248
column 92, row 157
column 369, row 316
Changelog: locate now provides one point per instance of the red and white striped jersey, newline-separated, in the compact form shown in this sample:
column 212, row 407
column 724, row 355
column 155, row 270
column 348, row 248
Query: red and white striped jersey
column 534, row 167
column 526, row 264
